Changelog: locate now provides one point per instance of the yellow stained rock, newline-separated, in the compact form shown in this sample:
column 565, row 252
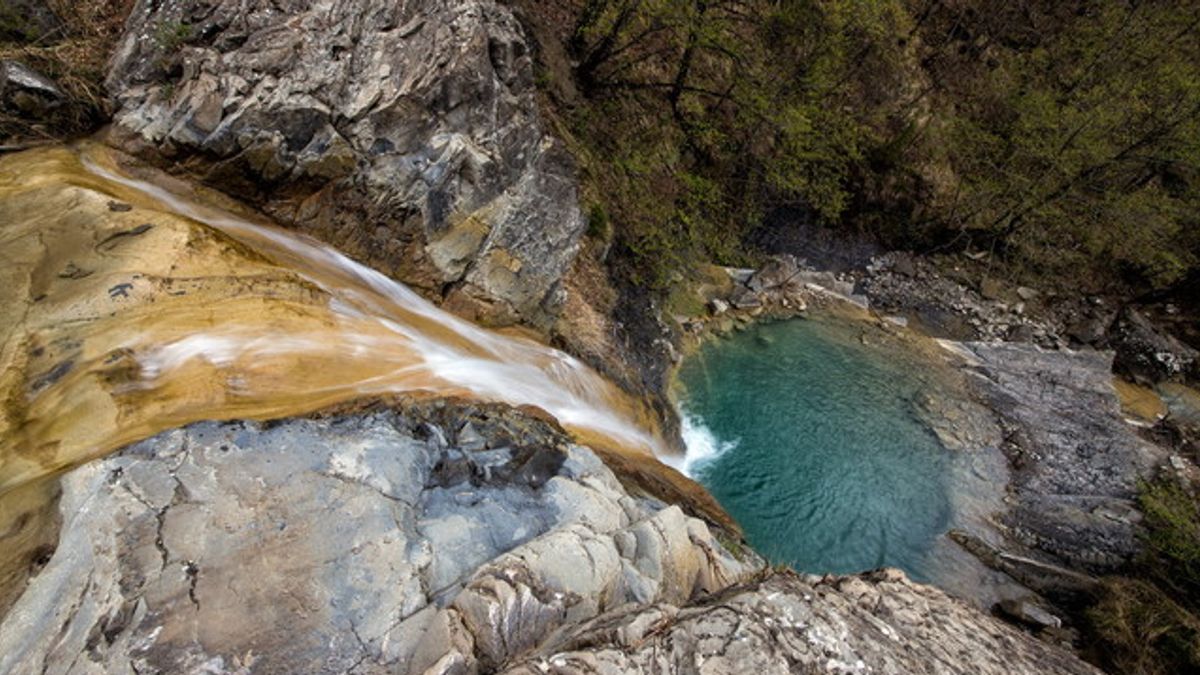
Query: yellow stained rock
column 132, row 305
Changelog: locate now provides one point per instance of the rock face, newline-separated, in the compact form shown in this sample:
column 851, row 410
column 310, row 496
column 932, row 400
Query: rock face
column 364, row 542
column 26, row 92
column 406, row 134
column 876, row 623
column 377, row 541
column 1076, row 463
column 1147, row 354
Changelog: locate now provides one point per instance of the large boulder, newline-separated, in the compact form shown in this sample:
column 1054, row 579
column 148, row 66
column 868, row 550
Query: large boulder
column 407, row 134
column 369, row 542
column 443, row 538
column 1076, row 461
column 1148, row 354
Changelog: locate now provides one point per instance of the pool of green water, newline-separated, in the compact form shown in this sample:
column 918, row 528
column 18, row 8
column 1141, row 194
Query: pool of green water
column 811, row 439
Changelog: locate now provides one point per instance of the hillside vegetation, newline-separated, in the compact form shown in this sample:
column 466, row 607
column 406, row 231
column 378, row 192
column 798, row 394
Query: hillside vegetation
column 1062, row 137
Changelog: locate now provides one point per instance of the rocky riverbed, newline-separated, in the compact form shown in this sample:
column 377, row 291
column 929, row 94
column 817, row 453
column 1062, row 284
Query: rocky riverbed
column 453, row 536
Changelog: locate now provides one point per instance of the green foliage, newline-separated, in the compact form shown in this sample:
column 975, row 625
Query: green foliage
column 1074, row 136
column 172, row 35
column 1062, row 135
column 599, row 224
column 709, row 113
column 1149, row 624
column 1172, row 539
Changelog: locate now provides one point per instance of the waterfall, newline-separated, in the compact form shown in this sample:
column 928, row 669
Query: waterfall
column 371, row 336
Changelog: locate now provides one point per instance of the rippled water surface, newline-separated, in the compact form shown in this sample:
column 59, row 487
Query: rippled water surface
column 811, row 440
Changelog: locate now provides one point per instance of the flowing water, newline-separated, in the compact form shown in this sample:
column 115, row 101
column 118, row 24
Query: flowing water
column 132, row 306
column 813, row 441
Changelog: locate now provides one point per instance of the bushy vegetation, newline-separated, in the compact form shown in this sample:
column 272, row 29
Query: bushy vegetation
column 1061, row 136
column 1149, row 623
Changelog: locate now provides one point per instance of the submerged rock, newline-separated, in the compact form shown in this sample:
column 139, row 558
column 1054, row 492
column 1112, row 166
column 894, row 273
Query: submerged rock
column 407, row 134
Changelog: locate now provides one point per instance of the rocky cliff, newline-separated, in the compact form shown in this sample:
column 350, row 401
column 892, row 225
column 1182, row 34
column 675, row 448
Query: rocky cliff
column 384, row 540
column 438, row 537
column 407, row 134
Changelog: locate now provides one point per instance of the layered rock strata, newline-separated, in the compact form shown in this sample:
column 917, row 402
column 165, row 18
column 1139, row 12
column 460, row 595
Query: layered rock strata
column 406, row 134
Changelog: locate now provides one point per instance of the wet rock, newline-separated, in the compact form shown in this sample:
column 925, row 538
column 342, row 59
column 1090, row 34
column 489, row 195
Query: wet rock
column 406, row 134
column 878, row 622
column 1148, row 354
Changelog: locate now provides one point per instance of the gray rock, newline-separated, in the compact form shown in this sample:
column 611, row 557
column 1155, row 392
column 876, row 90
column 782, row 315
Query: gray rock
column 902, row 263
column 877, row 623
column 1088, row 330
column 744, row 298
column 28, row 92
column 1027, row 294
column 1147, row 354
column 779, row 272
column 1076, row 462
column 718, row 306
column 1028, row 612
column 408, row 134
column 329, row 546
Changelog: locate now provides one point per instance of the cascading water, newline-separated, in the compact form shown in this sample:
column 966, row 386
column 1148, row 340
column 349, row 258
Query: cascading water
column 152, row 326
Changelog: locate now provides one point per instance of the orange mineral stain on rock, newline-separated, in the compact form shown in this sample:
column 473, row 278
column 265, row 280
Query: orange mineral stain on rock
column 133, row 305
column 1142, row 404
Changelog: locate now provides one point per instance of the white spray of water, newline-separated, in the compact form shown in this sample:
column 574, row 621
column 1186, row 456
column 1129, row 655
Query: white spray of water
column 703, row 446
column 436, row 344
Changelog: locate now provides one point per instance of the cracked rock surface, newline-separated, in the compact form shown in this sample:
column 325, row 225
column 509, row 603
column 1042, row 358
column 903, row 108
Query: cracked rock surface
column 1076, row 462
column 407, row 134
column 875, row 623
column 443, row 538
column 362, row 543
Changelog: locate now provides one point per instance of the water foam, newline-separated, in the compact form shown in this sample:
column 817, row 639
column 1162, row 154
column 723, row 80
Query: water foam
column 703, row 446
column 424, row 347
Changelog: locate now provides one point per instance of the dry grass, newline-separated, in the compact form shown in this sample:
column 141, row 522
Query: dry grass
column 1144, row 631
column 75, row 57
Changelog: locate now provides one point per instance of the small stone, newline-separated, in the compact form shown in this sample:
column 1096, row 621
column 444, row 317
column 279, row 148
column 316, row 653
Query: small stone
column 1027, row 612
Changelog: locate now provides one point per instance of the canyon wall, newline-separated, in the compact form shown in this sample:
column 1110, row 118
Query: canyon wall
column 407, row 134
